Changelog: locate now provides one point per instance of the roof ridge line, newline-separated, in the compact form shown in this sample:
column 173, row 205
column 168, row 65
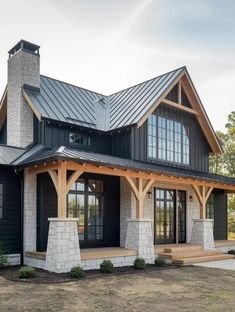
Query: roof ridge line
column 139, row 83
column 73, row 85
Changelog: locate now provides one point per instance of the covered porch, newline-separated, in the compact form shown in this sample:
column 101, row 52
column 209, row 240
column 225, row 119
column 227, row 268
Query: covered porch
column 136, row 226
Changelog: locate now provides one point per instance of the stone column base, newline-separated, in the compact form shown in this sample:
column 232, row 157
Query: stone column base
column 63, row 249
column 203, row 234
column 140, row 237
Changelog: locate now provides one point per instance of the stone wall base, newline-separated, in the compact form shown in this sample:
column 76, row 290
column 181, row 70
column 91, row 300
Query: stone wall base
column 63, row 249
column 202, row 233
column 140, row 238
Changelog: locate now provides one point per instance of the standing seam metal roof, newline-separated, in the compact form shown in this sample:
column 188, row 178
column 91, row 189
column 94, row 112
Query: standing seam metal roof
column 67, row 103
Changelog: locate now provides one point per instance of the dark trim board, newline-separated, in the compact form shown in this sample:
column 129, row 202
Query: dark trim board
column 221, row 215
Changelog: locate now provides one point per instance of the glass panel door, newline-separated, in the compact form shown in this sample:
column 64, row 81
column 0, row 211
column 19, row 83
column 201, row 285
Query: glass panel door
column 85, row 202
column 164, row 216
column 182, row 216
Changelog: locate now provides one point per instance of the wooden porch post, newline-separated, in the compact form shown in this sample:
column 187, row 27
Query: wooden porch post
column 203, row 192
column 62, row 186
column 140, row 190
column 62, row 194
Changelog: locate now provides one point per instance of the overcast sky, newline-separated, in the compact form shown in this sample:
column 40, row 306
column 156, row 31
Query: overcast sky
column 107, row 45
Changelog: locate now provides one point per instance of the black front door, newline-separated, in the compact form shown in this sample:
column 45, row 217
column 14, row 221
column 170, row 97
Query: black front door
column 165, row 216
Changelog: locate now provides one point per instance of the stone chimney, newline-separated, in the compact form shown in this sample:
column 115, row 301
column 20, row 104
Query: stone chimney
column 23, row 68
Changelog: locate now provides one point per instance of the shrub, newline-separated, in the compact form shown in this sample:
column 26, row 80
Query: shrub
column 26, row 272
column 231, row 252
column 77, row 272
column 160, row 262
column 139, row 264
column 106, row 266
column 3, row 257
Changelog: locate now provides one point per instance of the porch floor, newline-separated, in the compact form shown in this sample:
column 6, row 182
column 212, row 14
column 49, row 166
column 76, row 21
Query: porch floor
column 91, row 253
column 110, row 252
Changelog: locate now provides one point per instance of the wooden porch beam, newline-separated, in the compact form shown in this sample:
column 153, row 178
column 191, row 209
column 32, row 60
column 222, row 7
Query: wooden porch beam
column 91, row 168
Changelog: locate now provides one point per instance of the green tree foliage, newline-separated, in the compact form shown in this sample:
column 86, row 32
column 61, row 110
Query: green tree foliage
column 225, row 164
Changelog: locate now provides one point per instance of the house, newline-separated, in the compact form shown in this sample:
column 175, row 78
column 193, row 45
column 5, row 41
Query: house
column 85, row 176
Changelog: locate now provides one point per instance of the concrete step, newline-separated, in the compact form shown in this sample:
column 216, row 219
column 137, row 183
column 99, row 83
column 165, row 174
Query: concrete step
column 188, row 254
column 192, row 260
column 182, row 248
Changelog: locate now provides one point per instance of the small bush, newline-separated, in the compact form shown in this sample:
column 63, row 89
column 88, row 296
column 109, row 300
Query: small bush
column 3, row 257
column 231, row 252
column 139, row 264
column 26, row 272
column 160, row 262
column 77, row 272
column 106, row 266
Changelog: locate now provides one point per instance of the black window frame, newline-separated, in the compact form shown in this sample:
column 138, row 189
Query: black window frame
column 86, row 136
column 165, row 160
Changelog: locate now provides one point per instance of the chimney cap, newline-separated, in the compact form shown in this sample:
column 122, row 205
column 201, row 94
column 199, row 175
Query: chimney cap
column 26, row 46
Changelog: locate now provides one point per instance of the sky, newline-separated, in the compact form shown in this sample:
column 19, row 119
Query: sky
column 108, row 45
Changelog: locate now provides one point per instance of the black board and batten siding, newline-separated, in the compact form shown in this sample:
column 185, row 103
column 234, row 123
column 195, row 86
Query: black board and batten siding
column 47, row 208
column 221, row 215
column 199, row 147
column 10, row 224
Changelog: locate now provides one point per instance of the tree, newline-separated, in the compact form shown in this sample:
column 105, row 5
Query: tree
column 225, row 164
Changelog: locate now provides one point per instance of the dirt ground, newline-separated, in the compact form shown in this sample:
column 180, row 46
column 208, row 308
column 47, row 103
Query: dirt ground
column 177, row 289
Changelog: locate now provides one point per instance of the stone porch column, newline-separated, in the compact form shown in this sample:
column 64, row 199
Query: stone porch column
column 202, row 233
column 63, row 249
column 139, row 237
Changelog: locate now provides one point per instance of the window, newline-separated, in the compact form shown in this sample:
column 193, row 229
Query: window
column 168, row 140
column 79, row 139
column 1, row 200
column 86, row 202
column 210, row 207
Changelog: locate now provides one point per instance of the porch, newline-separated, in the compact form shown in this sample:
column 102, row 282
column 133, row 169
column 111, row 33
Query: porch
column 183, row 253
column 136, row 208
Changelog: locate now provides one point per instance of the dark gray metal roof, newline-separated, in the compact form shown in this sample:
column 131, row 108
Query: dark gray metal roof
column 67, row 103
column 130, row 105
column 64, row 102
column 112, row 161
column 9, row 154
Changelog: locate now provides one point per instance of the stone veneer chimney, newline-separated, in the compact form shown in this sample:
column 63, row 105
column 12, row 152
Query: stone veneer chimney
column 23, row 68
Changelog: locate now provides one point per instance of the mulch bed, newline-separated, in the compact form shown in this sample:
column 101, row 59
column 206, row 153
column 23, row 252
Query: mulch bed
column 45, row 277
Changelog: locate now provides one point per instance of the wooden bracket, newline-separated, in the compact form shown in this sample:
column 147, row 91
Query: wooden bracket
column 140, row 188
column 203, row 192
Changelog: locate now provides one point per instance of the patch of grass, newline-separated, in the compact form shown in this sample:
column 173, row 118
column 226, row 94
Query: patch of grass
column 231, row 236
column 231, row 252
column 77, row 272
column 159, row 262
column 139, row 264
column 106, row 266
column 26, row 272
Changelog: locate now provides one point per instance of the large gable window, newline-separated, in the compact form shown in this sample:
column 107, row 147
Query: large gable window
column 168, row 140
